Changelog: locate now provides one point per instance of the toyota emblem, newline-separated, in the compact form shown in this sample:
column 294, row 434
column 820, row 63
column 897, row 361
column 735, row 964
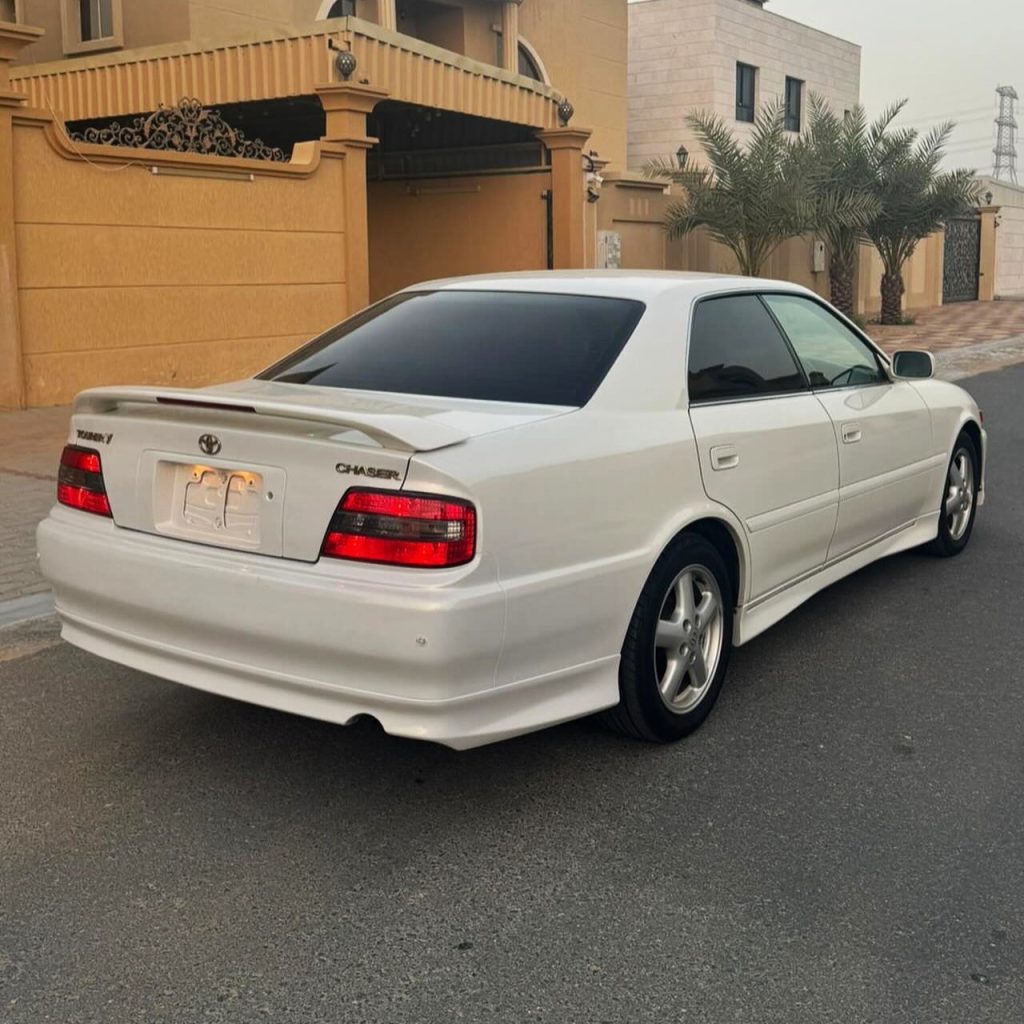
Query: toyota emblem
column 209, row 444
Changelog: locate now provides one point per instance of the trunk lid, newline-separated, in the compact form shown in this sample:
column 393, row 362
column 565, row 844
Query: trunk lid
column 259, row 465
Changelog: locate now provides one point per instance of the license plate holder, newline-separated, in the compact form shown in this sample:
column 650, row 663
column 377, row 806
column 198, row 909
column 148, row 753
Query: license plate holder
column 220, row 504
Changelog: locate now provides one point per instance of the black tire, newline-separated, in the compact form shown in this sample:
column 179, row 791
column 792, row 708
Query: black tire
column 642, row 712
column 947, row 544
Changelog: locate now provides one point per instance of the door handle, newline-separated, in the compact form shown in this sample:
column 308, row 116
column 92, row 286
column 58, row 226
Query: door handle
column 724, row 456
column 851, row 433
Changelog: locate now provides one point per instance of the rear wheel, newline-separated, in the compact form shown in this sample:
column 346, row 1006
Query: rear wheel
column 959, row 500
column 677, row 647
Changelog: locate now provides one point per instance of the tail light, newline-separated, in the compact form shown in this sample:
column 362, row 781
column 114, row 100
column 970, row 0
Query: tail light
column 394, row 528
column 80, row 481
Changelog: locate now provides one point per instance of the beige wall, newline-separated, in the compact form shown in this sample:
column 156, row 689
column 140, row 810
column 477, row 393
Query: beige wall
column 584, row 47
column 145, row 23
column 683, row 55
column 1009, row 270
column 126, row 276
column 635, row 209
column 922, row 277
column 442, row 227
column 44, row 14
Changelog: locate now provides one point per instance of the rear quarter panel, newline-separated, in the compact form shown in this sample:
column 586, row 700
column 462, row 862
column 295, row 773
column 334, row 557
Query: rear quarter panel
column 575, row 511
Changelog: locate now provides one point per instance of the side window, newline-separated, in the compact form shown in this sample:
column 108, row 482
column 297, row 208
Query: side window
column 831, row 354
column 736, row 351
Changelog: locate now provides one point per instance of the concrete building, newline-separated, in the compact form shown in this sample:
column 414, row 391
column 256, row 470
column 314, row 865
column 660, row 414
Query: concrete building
column 335, row 151
column 1009, row 262
column 728, row 57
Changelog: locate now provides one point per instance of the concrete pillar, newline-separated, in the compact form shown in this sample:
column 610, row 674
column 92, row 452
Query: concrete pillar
column 387, row 14
column 987, row 268
column 510, row 35
column 13, row 39
column 568, row 190
column 347, row 105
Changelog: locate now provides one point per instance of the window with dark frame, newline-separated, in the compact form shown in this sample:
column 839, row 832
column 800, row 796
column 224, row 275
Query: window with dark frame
column 96, row 19
column 794, row 104
column 746, row 92
column 528, row 67
column 738, row 351
column 342, row 9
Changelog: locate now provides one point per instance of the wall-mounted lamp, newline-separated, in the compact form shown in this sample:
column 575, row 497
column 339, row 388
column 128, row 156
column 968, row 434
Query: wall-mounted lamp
column 682, row 155
column 344, row 60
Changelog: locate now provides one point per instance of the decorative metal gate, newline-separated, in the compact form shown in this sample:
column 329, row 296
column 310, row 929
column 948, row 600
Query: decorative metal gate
column 961, row 273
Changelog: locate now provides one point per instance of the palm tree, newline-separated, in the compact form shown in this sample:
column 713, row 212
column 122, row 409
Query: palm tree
column 915, row 199
column 750, row 198
column 844, row 155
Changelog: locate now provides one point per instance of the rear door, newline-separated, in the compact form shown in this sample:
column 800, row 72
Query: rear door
column 766, row 444
column 883, row 427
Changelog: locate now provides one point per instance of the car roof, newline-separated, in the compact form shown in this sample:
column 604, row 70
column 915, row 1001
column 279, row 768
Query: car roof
column 643, row 285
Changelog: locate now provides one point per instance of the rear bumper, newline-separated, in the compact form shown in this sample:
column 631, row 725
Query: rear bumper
column 421, row 660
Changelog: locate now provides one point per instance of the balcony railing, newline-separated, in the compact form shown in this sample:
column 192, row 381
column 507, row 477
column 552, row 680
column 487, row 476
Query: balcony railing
column 138, row 81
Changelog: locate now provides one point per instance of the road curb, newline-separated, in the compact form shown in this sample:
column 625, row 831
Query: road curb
column 20, row 609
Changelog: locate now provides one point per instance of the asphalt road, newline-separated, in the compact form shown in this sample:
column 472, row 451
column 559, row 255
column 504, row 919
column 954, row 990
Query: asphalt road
column 842, row 842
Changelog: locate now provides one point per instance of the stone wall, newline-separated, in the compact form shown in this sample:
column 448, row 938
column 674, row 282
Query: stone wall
column 683, row 56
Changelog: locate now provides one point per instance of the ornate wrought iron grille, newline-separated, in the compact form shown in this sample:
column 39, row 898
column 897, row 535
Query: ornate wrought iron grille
column 961, row 269
column 188, row 127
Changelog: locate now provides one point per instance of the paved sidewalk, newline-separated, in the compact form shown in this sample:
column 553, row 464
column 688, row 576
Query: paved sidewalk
column 30, row 446
column 954, row 326
column 31, row 441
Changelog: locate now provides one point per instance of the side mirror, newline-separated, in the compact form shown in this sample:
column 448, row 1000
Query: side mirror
column 913, row 364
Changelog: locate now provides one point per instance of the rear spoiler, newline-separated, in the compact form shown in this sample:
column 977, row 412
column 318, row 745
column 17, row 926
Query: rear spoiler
column 392, row 430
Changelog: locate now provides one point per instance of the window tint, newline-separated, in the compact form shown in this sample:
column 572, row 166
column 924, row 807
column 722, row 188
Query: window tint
column 794, row 104
column 526, row 347
column 746, row 89
column 831, row 354
column 736, row 351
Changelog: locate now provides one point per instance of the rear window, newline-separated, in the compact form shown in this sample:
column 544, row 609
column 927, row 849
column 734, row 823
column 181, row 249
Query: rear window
column 525, row 347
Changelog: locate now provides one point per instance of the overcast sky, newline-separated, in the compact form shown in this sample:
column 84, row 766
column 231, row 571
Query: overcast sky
column 946, row 56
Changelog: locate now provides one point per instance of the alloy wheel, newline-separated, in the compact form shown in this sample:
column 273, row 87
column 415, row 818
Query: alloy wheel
column 688, row 639
column 959, row 494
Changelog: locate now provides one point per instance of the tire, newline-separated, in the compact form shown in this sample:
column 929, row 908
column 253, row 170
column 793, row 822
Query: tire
column 650, row 707
column 960, row 494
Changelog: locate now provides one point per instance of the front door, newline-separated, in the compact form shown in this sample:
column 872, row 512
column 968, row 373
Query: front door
column 883, row 428
column 766, row 444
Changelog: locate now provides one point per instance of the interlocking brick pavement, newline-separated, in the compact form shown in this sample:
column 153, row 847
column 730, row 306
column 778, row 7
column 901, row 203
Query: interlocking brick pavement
column 954, row 326
column 30, row 446
column 967, row 338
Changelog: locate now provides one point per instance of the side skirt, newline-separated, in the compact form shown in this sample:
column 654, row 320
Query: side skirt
column 755, row 618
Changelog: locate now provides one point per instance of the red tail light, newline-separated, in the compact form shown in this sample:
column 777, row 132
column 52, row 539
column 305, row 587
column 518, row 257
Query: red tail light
column 396, row 528
column 80, row 481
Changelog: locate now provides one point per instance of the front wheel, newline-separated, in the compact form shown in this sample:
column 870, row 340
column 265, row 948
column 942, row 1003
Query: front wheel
column 959, row 500
column 677, row 647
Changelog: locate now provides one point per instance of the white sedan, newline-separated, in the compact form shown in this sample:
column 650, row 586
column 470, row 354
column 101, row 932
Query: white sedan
column 487, row 505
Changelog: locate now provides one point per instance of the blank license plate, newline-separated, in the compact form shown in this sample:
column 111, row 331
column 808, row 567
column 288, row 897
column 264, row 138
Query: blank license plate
column 220, row 504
